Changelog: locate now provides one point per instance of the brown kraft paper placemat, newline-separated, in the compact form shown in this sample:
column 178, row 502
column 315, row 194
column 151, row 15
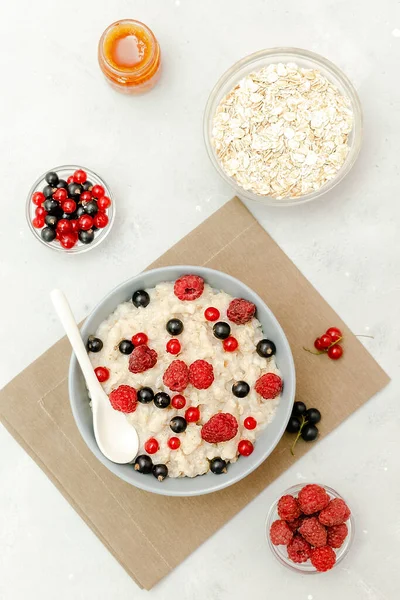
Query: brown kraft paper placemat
column 35, row 409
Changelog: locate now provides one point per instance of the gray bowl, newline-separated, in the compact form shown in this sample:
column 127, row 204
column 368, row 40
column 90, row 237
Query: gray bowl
column 269, row 438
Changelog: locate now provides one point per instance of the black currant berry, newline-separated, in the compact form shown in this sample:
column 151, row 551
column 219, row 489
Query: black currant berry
column 94, row 344
column 221, row 330
column 48, row 234
column 162, row 400
column 240, row 389
column 126, row 347
column 48, row 191
column 309, row 433
column 160, row 472
column 50, row 220
column 74, row 189
column 69, row 216
column 87, row 186
column 299, row 409
column 143, row 464
column 86, row 237
column 80, row 211
column 52, row 178
column 218, row 465
column 51, row 206
column 293, row 425
column 178, row 424
column 313, row 416
column 140, row 298
column 266, row 348
column 62, row 184
column 145, row 395
column 91, row 208
column 174, row 327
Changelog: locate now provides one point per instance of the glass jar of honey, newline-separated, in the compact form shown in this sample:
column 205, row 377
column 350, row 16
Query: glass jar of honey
column 129, row 56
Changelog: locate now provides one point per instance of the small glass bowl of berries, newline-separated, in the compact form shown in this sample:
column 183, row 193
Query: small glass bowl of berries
column 70, row 209
column 310, row 528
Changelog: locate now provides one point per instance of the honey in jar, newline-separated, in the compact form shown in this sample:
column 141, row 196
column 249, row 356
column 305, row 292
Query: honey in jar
column 129, row 56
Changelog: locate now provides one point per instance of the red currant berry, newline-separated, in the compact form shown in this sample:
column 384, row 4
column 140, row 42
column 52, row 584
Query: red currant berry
column 74, row 225
column 173, row 346
column 103, row 203
column 40, row 211
column 102, row 374
column 70, row 179
column 38, row 222
column 245, row 447
column 192, row 415
column 212, row 314
column 68, row 206
column 86, row 196
column 250, row 423
column 79, row 176
column 68, row 240
column 230, row 344
column 38, row 198
column 178, row 401
column 60, row 195
column 174, row 443
column 151, row 446
column 63, row 226
column 139, row 339
column 335, row 333
column 317, row 344
column 325, row 341
column 97, row 191
column 100, row 220
column 85, row 222
column 335, row 352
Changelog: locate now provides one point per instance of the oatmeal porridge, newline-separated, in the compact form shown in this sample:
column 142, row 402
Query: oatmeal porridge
column 194, row 373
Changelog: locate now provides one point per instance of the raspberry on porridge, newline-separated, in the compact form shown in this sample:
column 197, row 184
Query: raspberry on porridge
column 223, row 410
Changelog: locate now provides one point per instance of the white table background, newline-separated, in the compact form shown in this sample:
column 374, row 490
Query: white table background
column 56, row 109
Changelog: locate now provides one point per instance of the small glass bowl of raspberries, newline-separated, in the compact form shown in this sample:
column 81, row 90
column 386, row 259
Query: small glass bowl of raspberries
column 310, row 528
column 70, row 209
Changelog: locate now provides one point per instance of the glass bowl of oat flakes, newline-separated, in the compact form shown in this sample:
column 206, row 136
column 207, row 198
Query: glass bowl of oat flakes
column 283, row 126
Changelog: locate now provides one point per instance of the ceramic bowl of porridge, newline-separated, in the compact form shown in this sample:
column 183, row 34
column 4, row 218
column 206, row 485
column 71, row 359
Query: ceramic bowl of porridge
column 200, row 367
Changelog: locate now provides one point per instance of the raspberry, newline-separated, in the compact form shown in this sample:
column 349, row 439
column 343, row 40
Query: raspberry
column 269, row 386
column 313, row 532
column 312, row 498
column 299, row 550
column 288, row 508
column 176, row 377
column 124, row 398
column 201, row 374
column 334, row 513
column 280, row 533
column 141, row 359
column 294, row 525
column 241, row 311
column 337, row 534
column 222, row 427
column 323, row 559
column 189, row 287
column 347, row 513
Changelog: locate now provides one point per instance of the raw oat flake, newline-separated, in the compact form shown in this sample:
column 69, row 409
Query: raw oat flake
column 282, row 131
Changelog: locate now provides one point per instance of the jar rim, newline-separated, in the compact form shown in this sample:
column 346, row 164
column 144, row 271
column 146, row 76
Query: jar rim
column 138, row 71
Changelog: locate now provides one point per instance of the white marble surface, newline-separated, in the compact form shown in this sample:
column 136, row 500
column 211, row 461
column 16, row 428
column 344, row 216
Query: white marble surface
column 56, row 109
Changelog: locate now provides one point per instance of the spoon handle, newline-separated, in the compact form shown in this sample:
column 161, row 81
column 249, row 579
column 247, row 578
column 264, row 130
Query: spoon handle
column 67, row 319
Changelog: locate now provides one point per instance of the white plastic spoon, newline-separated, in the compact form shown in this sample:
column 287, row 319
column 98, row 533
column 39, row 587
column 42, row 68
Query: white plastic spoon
column 115, row 436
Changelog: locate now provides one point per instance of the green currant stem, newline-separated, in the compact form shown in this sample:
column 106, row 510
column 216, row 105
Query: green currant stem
column 312, row 351
column 303, row 422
